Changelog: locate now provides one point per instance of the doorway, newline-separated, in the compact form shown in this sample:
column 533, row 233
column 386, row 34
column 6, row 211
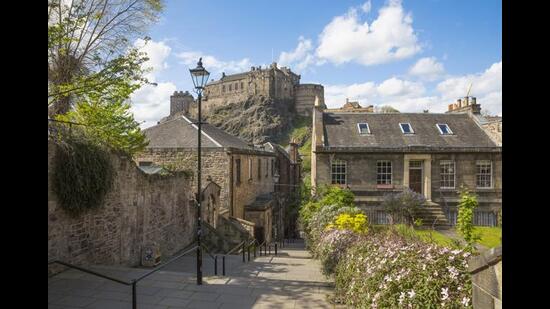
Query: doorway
column 415, row 176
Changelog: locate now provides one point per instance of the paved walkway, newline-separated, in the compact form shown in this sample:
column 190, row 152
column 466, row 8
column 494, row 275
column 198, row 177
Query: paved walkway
column 290, row 280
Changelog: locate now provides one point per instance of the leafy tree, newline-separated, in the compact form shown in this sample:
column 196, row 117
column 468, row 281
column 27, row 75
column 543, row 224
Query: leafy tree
column 93, row 69
column 406, row 203
column 88, row 41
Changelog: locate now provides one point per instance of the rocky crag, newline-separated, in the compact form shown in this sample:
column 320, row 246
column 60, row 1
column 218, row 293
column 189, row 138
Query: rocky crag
column 257, row 120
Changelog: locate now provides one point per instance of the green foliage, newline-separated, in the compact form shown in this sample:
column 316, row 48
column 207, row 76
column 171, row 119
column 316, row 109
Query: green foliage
column 108, row 124
column 464, row 221
column 82, row 176
column 335, row 195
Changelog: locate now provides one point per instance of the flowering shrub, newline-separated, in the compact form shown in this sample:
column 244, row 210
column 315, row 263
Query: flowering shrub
column 357, row 223
column 332, row 245
column 403, row 203
column 387, row 271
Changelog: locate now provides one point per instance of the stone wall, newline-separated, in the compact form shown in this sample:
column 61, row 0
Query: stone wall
column 139, row 210
column 494, row 130
column 214, row 162
column 486, row 271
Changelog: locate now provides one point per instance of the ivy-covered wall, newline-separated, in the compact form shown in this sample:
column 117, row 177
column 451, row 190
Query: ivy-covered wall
column 138, row 210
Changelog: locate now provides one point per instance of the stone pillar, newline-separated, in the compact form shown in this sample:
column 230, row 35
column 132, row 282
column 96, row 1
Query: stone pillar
column 428, row 178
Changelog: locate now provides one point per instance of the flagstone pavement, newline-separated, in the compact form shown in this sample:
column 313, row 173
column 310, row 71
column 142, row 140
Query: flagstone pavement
column 292, row 279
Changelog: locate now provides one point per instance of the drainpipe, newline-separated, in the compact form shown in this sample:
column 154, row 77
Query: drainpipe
column 231, row 183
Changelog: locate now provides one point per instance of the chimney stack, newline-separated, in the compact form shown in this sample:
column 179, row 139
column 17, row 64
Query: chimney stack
column 465, row 104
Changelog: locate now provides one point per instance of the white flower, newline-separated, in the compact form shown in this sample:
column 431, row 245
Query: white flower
column 401, row 297
column 455, row 252
column 465, row 301
column 423, row 266
column 444, row 293
column 411, row 293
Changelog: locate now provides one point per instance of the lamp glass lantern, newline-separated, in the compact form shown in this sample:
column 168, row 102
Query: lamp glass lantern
column 199, row 75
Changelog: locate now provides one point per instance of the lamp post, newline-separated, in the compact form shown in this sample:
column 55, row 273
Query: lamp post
column 276, row 178
column 199, row 75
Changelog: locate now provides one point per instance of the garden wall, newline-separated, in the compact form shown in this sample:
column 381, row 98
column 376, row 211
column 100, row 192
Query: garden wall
column 140, row 209
column 486, row 270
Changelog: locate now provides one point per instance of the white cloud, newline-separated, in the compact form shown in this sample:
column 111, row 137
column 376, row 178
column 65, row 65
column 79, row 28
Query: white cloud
column 427, row 68
column 388, row 38
column 485, row 86
column 213, row 64
column 395, row 87
column 151, row 103
column 392, row 89
column 366, row 7
column 300, row 58
column 409, row 96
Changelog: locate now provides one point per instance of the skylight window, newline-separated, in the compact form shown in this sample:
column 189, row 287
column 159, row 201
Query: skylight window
column 363, row 128
column 444, row 129
column 406, row 128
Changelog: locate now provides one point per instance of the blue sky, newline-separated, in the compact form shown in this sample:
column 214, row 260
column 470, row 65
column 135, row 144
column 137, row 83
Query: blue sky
column 413, row 55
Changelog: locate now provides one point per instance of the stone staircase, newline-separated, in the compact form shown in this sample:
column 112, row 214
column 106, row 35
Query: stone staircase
column 432, row 216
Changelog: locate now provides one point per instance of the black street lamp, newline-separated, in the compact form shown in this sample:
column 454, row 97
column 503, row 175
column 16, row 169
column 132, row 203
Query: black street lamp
column 276, row 178
column 200, row 77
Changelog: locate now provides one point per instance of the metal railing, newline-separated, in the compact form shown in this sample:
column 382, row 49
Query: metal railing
column 133, row 282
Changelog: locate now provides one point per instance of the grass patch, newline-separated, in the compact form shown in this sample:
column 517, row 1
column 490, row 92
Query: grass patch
column 490, row 236
column 428, row 236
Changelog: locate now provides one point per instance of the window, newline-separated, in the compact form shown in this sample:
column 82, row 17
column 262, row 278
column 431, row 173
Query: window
column 272, row 167
column 383, row 173
column 447, row 169
column 249, row 168
column 484, row 175
column 259, row 169
column 236, row 86
column 266, row 168
column 444, row 129
column 338, row 172
column 223, row 88
column 238, row 170
column 363, row 128
column 230, row 87
column 242, row 85
column 406, row 128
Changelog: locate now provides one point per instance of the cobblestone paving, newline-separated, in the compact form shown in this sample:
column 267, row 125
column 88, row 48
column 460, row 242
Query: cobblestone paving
column 289, row 280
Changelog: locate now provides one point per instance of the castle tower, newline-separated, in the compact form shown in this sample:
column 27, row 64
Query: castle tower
column 179, row 102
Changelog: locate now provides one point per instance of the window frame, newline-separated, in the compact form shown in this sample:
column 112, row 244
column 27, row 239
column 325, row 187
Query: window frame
column 339, row 173
column 441, row 131
column 410, row 127
column 359, row 128
column 378, row 173
column 478, row 162
column 441, row 174
column 259, row 168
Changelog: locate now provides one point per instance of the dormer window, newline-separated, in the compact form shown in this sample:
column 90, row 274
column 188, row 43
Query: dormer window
column 363, row 128
column 444, row 129
column 406, row 128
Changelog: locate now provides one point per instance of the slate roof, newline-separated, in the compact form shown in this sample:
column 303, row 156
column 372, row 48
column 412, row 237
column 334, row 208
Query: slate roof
column 180, row 133
column 340, row 130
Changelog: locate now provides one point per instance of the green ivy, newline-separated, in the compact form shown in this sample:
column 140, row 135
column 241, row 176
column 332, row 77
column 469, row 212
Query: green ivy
column 82, row 175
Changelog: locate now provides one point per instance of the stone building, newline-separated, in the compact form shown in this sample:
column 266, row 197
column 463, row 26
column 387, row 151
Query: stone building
column 243, row 173
column 274, row 82
column 433, row 154
column 288, row 167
